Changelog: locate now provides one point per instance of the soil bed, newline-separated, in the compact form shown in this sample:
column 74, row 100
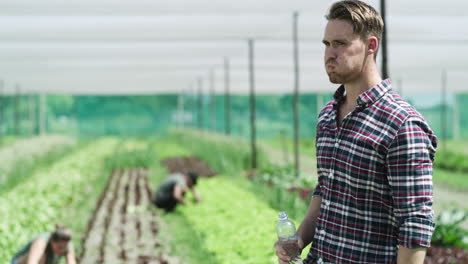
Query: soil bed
column 123, row 229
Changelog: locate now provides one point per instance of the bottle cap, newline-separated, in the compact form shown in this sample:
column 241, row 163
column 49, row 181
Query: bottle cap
column 282, row 216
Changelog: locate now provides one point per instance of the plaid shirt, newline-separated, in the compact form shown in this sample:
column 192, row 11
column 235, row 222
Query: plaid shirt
column 375, row 180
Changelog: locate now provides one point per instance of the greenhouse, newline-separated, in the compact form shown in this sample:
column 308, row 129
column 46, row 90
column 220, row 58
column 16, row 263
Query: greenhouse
column 101, row 100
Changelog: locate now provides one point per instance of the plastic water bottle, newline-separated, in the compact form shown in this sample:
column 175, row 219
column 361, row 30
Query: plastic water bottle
column 287, row 237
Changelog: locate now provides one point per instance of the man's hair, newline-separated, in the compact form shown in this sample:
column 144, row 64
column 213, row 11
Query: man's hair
column 365, row 19
column 193, row 177
column 61, row 233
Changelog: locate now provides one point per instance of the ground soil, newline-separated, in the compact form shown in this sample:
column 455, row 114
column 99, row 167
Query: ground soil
column 123, row 229
column 188, row 164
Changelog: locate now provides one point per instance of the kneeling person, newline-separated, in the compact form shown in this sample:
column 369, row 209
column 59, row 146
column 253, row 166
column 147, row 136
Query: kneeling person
column 172, row 190
column 47, row 248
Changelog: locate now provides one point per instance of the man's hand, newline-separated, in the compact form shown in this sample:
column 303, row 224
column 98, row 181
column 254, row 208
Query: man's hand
column 283, row 258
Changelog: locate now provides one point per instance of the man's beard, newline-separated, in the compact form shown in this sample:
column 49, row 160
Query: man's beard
column 336, row 78
column 342, row 78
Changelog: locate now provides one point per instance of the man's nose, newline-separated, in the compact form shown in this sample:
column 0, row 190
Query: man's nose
column 329, row 54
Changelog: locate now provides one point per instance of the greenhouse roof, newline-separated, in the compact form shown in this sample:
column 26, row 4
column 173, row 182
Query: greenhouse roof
column 134, row 47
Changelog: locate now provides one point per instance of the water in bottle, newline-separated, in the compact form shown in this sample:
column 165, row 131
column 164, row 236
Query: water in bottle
column 287, row 236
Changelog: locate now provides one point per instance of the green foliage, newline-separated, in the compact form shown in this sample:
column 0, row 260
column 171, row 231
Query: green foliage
column 455, row 180
column 282, row 190
column 21, row 157
column 451, row 160
column 448, row 232
column 236, row 227
column 284, row 176
column 131, row 159
column 49, row 193
column 21, row 172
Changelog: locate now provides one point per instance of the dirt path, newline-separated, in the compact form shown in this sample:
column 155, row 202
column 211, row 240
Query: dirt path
column 444, row 197
column 123, row 229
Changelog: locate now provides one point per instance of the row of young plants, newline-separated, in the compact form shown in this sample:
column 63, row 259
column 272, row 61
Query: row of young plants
column 21, row 156
column 54, row 193
column 236, row 221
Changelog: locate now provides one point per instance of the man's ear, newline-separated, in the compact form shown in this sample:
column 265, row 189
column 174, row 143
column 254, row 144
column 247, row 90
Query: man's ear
column 372, row 45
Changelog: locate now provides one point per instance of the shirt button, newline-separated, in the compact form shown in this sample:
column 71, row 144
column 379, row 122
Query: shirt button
column 330, row 175
column 337, row 145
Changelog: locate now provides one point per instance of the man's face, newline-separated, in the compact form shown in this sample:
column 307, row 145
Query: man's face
column 59, row 247
column 345, row 52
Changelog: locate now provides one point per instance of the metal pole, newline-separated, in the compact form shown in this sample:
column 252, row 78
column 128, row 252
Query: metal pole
column 200, row 104
column 456, row 118
column 194, row 105
column 296, row 94
column 252, row 103
column 227, row 106
column 31, row 113
column 385, row 73
column 183, row 108
column 212, row 102
column 180, row 110
column 42, row 114
column 16, row 113
column 285, row 146
column 2, row 108
column 443, row 114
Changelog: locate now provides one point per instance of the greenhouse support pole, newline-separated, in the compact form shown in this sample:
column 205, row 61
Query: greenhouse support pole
column 252, row 104
column 16, row 113
column 385, row 73
column 37, row 99
column 227, row 106
column 194, row 106
column 456, row 118
column 285, row 146
column 200, row 104
column 2, row 108
column 31, row 113
column 180, row 109
column 443, row 112
column 42, row 114
column 212, row 102
column 296, row 94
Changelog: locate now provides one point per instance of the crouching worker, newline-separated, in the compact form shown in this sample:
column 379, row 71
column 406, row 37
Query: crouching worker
column 172, row 190
column 47, row 248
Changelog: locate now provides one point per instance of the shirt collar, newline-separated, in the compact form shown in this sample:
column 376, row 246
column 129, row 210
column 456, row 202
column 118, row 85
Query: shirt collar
column 366, row 98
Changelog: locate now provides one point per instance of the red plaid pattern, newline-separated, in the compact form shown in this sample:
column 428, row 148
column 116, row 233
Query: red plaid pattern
column 375, row 180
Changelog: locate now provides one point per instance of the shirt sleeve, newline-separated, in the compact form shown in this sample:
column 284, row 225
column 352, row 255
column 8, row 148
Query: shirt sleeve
column 180, row 180
column 317, row 190
column 409, row 162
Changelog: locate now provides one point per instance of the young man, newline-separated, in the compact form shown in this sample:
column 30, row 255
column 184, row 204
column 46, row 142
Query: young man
column 373, row 200
column 172, row 190
column 47, row 248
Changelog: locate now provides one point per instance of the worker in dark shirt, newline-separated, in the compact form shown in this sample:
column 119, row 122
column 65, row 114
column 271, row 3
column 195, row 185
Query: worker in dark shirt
column 172, row 190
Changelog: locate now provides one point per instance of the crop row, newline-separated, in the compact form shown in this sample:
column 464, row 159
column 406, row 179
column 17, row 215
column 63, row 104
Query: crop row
column 24, row 152
column 122, row 229
column 34, row 206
